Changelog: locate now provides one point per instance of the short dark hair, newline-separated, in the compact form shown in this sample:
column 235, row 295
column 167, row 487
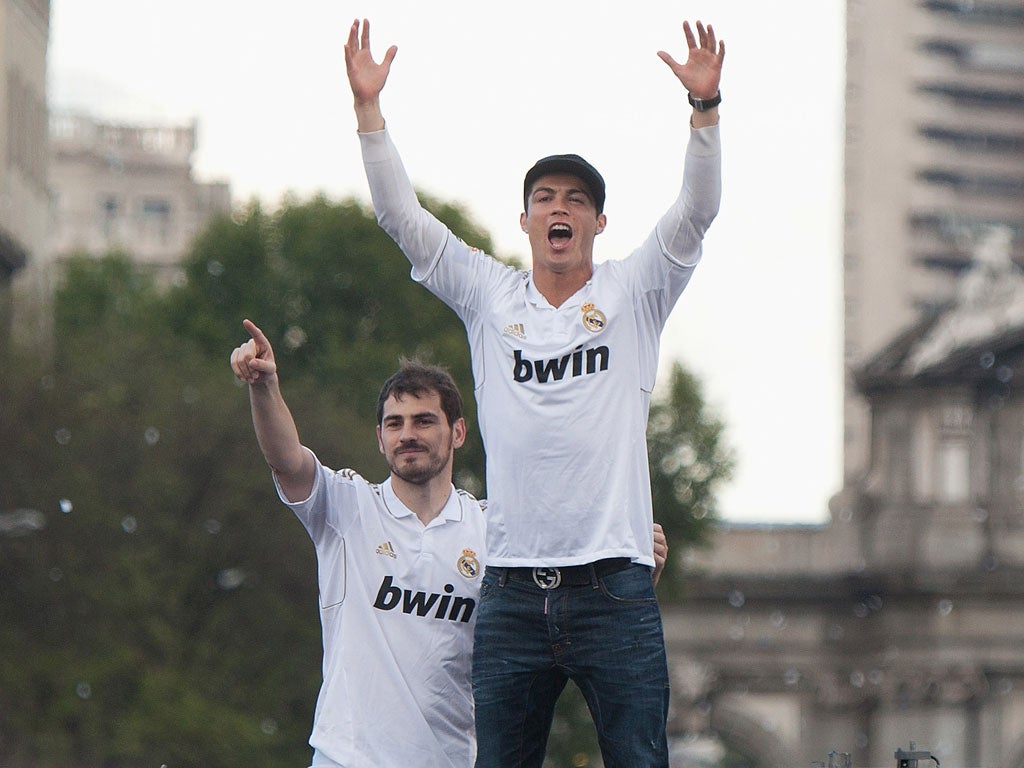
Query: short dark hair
column 417, row 378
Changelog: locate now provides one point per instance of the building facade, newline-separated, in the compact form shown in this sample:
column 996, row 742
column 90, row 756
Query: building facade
column 902, row 619
column 128, row 188
column 934, row 155
column 24, row 34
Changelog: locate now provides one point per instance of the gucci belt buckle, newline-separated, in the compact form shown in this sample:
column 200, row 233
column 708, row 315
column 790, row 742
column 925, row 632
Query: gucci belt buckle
column 547, row 578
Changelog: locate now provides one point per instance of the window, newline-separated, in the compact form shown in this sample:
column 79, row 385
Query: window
column 975, row 141
column 978, row 11
column 954, row 456
column 954, row 471
column 156, row 220
column 109, row 207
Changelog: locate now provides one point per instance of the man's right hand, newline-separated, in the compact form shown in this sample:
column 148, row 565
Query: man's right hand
column 366, row 77
column 255, row 358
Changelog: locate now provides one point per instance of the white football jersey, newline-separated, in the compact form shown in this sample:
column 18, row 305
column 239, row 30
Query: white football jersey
column 397, row 607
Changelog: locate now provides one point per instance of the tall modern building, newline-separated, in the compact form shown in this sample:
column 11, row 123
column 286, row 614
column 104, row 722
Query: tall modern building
column 934, row 159
column 24, row 34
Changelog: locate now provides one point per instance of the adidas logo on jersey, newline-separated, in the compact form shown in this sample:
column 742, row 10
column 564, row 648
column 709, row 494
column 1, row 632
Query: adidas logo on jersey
column 386, row 549
column 433, row 605
column 577, row 363
column 515, row 329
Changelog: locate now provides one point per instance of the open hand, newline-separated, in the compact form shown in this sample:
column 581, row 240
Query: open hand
column 366, row 76
column 702, row 71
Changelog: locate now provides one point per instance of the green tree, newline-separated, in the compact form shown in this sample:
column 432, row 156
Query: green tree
column 157, row 603
column 333, row 294
column 689, row 461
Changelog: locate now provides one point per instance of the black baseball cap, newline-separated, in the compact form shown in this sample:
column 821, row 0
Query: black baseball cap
column 571, row 164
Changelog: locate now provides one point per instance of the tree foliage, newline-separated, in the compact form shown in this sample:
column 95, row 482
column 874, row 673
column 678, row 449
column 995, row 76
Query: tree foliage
column 157, row 603
column 689, row 461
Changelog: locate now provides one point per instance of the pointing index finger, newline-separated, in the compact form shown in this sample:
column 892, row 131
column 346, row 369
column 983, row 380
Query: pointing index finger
column 255, row 332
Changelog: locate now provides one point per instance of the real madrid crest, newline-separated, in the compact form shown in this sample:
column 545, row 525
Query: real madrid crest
column 593, row 318
column 468, row 565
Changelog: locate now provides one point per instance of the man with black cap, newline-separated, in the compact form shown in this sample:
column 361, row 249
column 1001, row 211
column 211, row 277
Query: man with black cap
column 564, row 360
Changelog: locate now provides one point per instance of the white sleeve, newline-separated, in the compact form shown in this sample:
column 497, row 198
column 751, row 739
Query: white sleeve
column 399, row 213
column 681, row 230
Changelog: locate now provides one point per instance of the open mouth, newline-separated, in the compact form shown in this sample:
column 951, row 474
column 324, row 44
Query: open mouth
column 559, row 234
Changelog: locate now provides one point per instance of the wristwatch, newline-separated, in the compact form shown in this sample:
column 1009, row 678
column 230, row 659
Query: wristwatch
column 703, row 105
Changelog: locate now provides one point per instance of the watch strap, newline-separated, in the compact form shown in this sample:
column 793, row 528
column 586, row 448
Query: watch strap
column 703, row 105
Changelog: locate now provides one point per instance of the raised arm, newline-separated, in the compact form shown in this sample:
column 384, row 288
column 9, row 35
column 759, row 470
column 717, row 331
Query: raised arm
column 366, row 77
column 294, row 466
column 701, row 73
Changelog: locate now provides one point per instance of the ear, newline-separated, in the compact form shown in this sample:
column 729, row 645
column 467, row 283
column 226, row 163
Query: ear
column 380, row 443
column 458, row 433
column 522, row 221
column 602, row 222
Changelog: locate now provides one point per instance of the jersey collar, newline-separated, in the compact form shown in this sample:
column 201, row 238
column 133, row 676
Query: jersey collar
column 452, row 511
column 535, row 297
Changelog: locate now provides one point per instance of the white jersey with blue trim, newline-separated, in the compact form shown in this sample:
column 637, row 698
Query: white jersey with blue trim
column 398, row 608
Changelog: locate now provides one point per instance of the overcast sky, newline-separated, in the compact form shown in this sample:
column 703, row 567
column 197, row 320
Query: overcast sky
column 477, row 93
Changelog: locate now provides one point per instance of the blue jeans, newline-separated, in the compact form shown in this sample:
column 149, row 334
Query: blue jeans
column 605, row 636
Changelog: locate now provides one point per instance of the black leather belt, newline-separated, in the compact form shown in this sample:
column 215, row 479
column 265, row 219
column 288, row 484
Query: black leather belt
column 565, row 576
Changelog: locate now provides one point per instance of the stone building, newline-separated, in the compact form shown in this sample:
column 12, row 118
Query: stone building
column 129, row 188
column 24, row 33
column 934, row 155
column 902, row 619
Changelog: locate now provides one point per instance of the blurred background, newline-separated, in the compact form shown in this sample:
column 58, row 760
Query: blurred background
column 837, row 437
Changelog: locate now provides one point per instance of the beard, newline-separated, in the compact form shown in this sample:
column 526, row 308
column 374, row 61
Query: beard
column 427, row 466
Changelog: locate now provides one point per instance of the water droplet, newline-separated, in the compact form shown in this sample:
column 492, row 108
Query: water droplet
column 212, row 526
column 83, row 690
column 152, row 435
column 874, row 602
column 987, row 360
column 129, row 524
column 737, row 599
column 945, row 607
column 66, row 506
column 857, row 679
column 55, row 574
column 736, row 632
column 190, row 394
column 294, row 337
column 230, row 578
column 1004, row 374
column 791, row 676
column 778, row 619
column 861, row 610
column 47, row 382
column 215, row 268
column 269, row 726
column 21, row 522
column 62, row 436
